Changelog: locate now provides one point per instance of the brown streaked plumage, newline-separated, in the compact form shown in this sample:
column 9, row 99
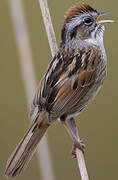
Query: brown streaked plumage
column 71, row 81
column 77, row 9
column 25, row 149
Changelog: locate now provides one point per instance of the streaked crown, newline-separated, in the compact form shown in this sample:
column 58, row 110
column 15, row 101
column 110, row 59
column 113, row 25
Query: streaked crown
column 81, row 25
column 79, row 9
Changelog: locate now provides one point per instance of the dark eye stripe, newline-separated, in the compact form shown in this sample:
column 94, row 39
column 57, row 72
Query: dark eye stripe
column 74, row 32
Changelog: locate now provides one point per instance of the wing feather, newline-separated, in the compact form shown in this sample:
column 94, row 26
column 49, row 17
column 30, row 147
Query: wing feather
column 67, row 80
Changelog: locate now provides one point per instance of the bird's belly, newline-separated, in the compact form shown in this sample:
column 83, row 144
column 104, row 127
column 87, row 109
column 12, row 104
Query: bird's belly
column 87, row 98
column 78, row 108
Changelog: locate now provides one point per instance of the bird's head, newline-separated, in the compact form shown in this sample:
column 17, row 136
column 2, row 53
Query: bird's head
column 81, row 23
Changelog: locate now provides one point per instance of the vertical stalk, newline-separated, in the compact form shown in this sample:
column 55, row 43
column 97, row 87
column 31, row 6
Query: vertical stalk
column 53, row 47
column 28, row 76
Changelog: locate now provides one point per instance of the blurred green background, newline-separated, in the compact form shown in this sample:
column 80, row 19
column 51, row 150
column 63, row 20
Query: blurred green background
column 98, row 125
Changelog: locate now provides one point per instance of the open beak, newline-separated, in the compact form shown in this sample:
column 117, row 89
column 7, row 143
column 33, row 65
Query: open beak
column 102, row 22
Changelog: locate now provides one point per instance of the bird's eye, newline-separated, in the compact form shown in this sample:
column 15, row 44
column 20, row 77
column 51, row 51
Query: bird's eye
column 88, row 21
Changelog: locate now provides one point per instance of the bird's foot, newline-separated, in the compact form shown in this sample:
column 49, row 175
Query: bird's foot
column 77, row 144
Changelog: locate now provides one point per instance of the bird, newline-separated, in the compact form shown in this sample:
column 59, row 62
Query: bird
column 71, row 81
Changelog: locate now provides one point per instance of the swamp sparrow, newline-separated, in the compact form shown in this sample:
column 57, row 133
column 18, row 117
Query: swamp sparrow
column 71, row 81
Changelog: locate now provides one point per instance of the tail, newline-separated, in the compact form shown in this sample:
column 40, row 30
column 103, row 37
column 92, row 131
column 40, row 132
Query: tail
column 27, row 146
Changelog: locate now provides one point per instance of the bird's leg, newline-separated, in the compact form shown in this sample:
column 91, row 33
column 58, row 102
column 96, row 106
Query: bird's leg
column 73, row 132
column 71, row 123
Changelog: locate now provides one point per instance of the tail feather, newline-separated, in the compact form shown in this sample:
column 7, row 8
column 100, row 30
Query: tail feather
column 27, row 146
